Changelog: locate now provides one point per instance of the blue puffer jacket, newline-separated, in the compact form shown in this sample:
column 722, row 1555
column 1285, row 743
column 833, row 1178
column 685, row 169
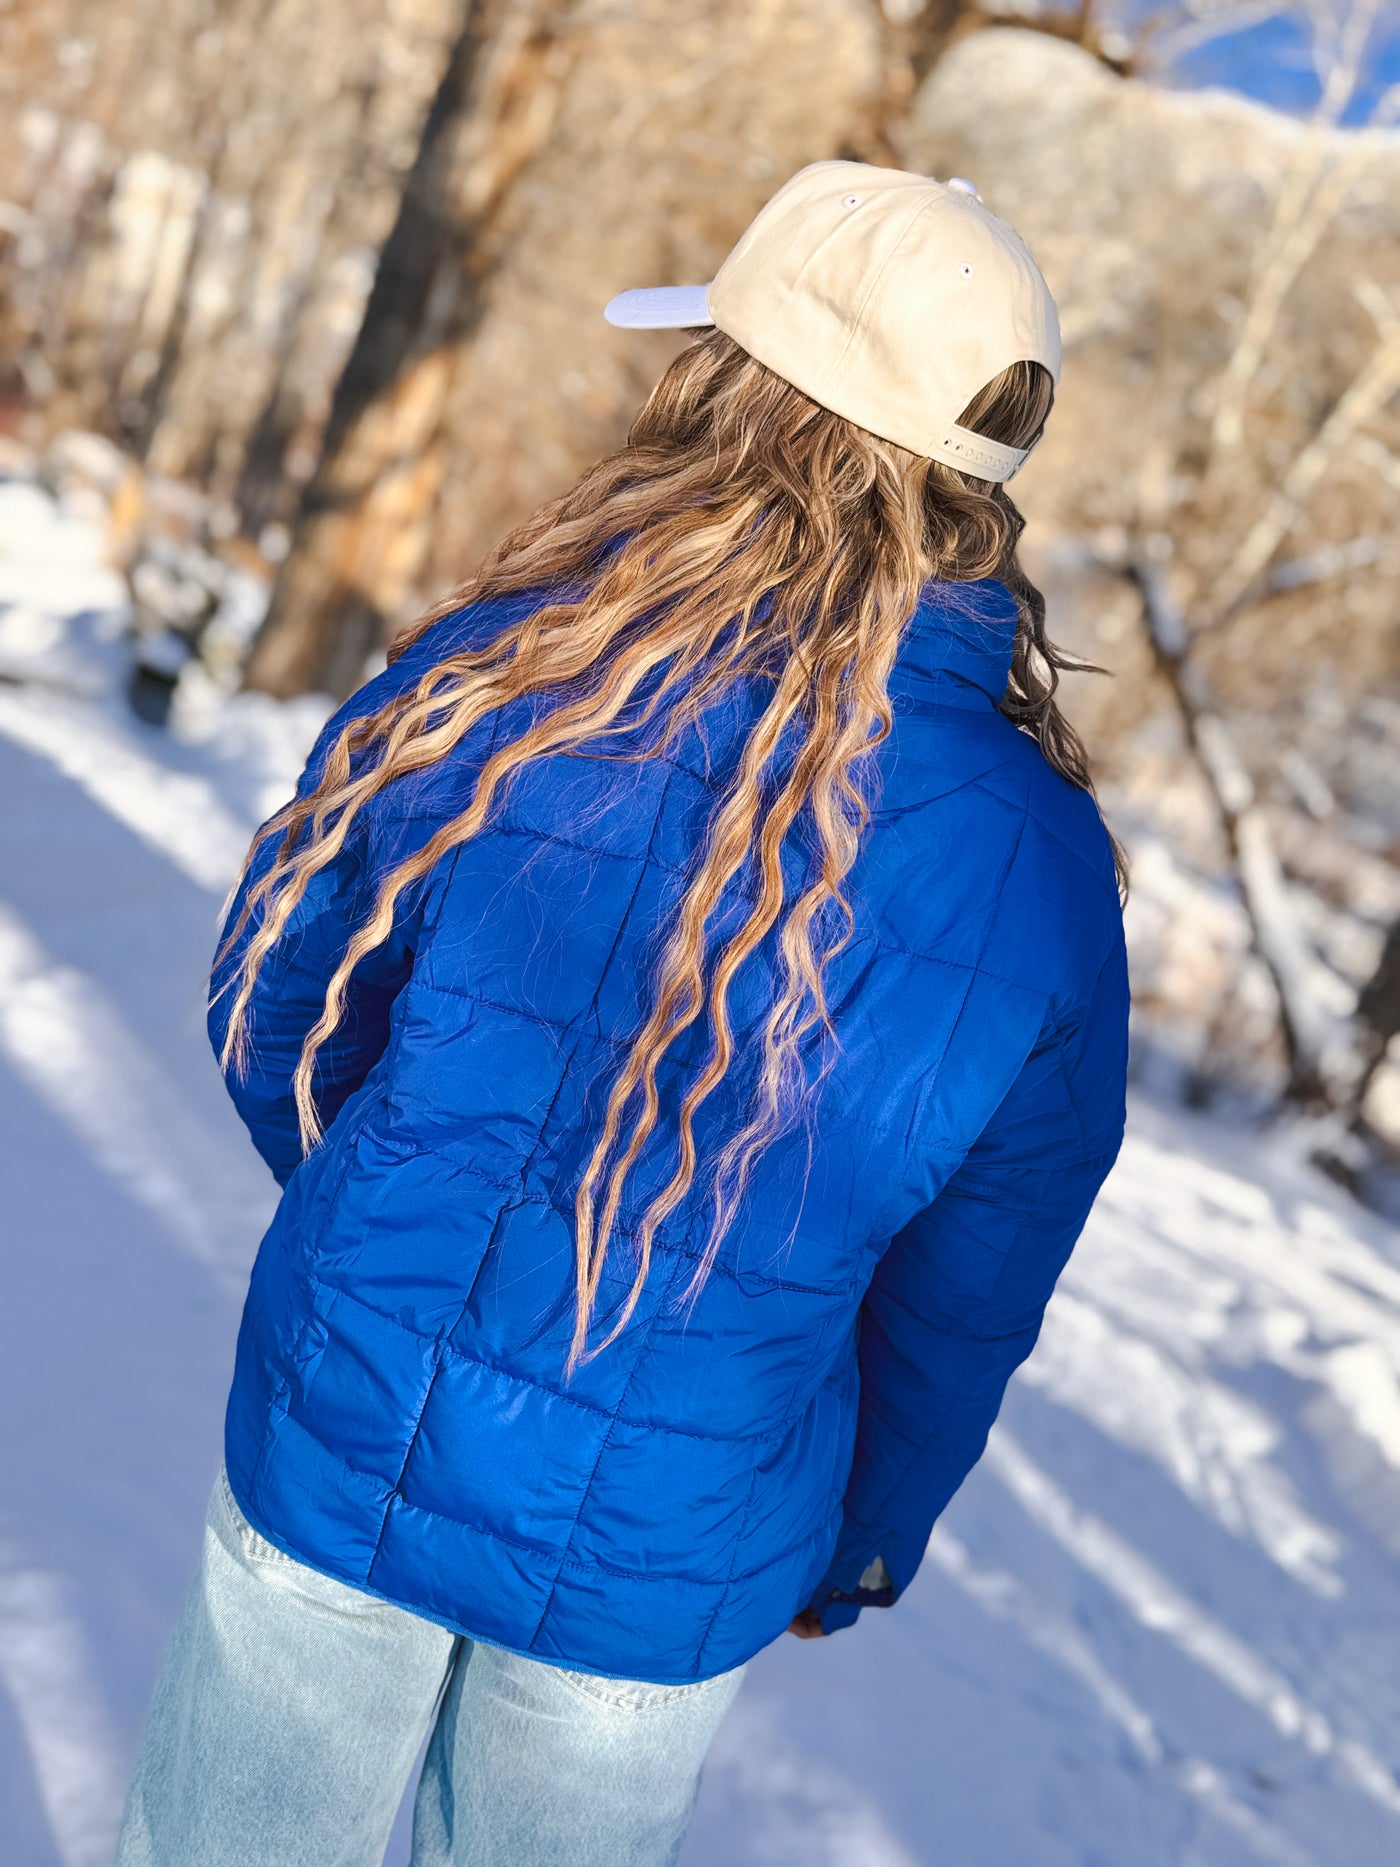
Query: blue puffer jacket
column 399, row 1415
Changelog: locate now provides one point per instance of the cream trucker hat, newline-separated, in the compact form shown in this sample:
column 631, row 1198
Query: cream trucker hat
column 888, row 298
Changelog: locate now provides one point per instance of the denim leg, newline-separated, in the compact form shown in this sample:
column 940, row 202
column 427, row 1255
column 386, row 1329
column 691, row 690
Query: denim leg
column 539, row 1767
column 287, row 1718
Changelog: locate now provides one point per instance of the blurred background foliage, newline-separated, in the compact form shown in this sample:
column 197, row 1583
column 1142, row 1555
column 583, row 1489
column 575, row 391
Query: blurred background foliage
column 300, row 301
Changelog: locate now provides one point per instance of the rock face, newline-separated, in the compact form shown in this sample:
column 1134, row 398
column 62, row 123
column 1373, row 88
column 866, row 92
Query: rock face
column 1149, row 212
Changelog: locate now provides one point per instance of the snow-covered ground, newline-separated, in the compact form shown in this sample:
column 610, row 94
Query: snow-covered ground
column 1159, row 1627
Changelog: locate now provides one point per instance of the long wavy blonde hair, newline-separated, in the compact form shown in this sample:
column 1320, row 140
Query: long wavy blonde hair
column 743, row 533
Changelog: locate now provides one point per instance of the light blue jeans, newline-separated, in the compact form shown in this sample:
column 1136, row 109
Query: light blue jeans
column 291, row 1708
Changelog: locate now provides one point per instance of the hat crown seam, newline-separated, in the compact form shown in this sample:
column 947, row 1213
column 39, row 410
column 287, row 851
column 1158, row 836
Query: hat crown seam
column 893, row 315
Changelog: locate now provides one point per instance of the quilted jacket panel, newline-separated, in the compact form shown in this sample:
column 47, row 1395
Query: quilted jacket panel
column 399, row 1415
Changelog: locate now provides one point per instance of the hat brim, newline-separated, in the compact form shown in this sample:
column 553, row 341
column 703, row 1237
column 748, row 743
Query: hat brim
column 660, row 308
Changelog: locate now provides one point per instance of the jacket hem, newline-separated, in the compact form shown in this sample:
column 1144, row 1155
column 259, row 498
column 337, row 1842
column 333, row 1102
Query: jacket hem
column 562, row 1662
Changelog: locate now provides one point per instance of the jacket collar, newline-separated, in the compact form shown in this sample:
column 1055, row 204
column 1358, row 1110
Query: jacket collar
column 957, row 645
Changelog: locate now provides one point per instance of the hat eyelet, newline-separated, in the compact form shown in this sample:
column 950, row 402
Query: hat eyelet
column 965, row 269
column 851, row 200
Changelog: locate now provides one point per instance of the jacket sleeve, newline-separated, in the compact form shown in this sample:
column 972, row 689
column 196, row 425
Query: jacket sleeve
column 288, row 998
column 291, row 986
column 956, row 1302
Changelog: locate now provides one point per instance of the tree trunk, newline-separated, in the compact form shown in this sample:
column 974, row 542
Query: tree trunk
column 1277, row 938
column 362, row 527
column 198, row 185
column 1378, row 1013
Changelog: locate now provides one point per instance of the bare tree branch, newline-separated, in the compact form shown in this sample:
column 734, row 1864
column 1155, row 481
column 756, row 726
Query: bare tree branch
column 1210, row 19
column 1322, row 565
column 1318, row 180
column 1378, row 1010
column 1306, row 1026
column 1375, row 384
column 1378, row 457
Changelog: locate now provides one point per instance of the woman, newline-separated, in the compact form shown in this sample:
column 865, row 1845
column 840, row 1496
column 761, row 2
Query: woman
column 685, row 1005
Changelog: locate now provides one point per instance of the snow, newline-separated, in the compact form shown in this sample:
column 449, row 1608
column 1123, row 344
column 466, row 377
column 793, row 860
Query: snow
column 1160, row 1625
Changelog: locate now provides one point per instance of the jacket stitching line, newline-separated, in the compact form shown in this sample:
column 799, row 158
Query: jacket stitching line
column 427, row 934
column 606, row 1440
column 591, row 1012
column 1070, row 1096
column 570, row 1400
column 740, row 1529
column 519, row 1191
column 945, row 1413
column 722, row 1599
column 670, row 1247
column 437, row 1355
column 992, row 918
column 747, row 1511
column 998, row 901
column 536, row 835
column 564, row 1026
column 622, row 923
column 403, row 1465
column 969, row 1335
column 1091, row 1166
column 1063, row 1046
column 578, row 1562
column 949, row 1411
column 1040, row 822
column 471, row 995
column 959, row 965
column 280, row 1400
column 705, row 777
